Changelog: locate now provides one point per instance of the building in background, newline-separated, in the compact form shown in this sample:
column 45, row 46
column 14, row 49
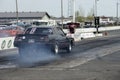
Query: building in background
column 8, row 17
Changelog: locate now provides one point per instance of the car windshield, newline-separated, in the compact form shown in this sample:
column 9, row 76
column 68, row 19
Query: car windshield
column 38, row 31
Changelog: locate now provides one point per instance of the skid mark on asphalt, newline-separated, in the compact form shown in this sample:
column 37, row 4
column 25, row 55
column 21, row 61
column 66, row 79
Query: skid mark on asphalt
column 8, row 62
column 85, row 57
column 9, row 65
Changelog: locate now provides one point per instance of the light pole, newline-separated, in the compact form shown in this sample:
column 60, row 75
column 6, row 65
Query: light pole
column 73, row 10
column 17, row 11
column 96, row 18
column 62, row 12
column 96, row 8
column 117, row 11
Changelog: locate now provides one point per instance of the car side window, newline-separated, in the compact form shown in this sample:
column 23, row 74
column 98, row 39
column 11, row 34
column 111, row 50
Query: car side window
column 60, row 32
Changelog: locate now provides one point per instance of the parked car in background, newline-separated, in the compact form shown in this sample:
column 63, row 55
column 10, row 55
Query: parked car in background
column 2, row 27
column 49, row 37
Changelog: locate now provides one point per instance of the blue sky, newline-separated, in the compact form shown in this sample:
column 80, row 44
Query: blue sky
column 105, row 7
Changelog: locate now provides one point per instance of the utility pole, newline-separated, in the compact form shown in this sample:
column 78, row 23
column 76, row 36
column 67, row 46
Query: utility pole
column 62, row 12
column 73, row 10
column 96, row 8
column 69, row 8
column 96, row 18
column 17, row 11
column 117, row 11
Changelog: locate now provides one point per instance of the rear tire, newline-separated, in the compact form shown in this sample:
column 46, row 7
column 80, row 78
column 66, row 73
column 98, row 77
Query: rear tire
column 69, row 48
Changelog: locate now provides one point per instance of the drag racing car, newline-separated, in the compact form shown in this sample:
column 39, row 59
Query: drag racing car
column 39, row 37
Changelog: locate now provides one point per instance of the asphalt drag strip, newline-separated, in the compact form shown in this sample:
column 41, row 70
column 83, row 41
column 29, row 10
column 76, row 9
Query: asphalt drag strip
column 101, row 68
column 84, row 57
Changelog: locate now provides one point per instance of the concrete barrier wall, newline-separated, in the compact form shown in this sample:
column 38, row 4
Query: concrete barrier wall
column 6, row 43
column 87, row 30
column 109, row 28
column 83, row 33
